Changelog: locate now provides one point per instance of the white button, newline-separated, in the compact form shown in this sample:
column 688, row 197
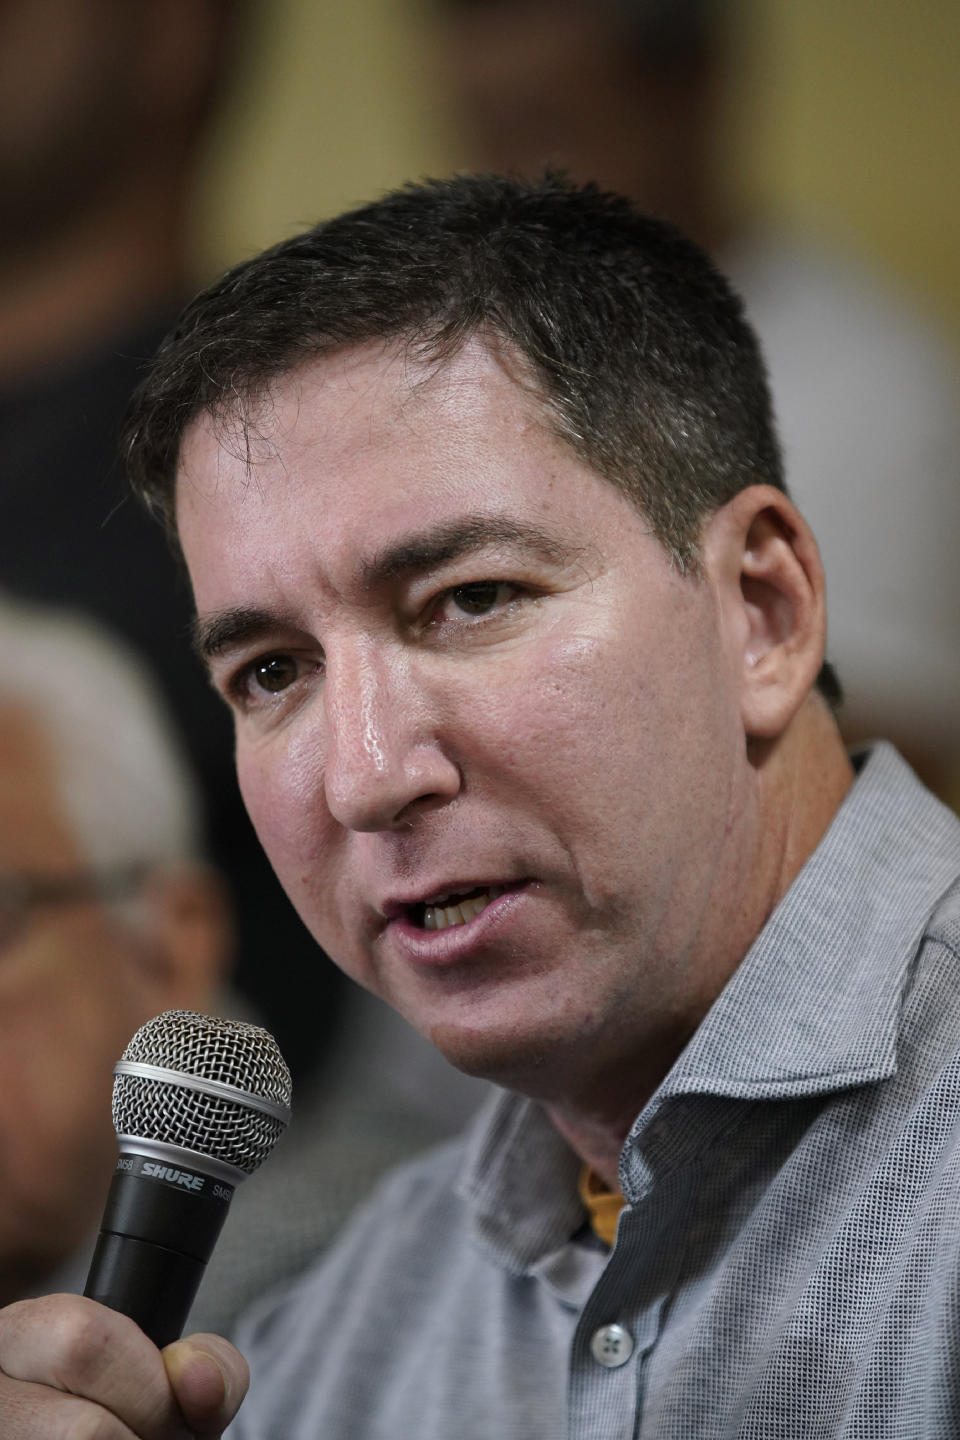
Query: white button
column 611, row 1345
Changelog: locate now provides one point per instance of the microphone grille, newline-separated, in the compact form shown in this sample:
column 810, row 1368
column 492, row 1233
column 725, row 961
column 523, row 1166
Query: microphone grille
column 204, row 1047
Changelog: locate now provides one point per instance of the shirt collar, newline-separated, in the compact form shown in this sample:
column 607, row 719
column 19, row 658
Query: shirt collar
column 519, row 1180
column 813, row 1007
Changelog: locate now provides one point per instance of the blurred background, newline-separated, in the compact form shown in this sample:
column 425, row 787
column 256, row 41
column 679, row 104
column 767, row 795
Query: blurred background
column 846, row 119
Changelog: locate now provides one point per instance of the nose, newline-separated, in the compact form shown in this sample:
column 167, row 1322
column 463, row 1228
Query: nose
column 384, row 761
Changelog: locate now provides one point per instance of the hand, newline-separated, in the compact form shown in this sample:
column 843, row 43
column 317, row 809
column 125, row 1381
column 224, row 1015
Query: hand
column 71, row 1367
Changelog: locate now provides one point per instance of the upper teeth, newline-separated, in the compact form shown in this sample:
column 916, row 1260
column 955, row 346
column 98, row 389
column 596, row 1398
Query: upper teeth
column 438, row 917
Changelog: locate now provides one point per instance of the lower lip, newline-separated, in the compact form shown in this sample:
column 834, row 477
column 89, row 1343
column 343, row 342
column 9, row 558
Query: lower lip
column 455, row 942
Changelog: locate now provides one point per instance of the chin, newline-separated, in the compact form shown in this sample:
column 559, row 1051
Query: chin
column 532, row 1063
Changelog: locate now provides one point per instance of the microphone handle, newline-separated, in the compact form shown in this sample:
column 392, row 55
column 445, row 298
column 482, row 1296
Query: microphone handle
column 159, row 1227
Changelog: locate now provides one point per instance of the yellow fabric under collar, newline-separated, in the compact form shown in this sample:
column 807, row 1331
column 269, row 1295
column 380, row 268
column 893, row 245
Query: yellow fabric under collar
column 602, row 1205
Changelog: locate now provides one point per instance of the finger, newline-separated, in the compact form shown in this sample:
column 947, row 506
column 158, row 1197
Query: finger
column 209, row 1378
column 30, row 1412
column 73, row 1345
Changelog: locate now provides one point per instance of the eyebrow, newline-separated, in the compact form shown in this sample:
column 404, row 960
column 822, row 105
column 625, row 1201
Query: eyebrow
column 224, row 630
column 459, row 537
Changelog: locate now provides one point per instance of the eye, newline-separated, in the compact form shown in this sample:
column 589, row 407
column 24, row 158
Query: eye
column 269, row 675
column 275, row 673
column 478, row 598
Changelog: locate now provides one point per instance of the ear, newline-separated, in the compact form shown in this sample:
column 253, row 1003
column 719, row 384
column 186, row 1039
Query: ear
column 760, row 555
column 189, row 936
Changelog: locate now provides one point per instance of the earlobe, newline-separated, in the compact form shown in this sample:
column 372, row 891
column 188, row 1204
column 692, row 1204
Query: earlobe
column 764, row 560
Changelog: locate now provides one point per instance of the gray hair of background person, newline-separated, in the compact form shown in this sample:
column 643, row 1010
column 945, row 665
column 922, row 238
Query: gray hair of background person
column 124, row 786
column 636, row 344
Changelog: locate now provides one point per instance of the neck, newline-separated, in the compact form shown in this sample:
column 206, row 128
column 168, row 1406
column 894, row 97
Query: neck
column 596, row 1131
column 798, row 784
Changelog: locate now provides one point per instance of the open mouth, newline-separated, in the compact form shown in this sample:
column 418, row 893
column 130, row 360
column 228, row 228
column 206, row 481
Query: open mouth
column 454, row 909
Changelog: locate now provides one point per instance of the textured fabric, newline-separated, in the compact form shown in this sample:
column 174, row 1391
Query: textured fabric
column 786, row 1267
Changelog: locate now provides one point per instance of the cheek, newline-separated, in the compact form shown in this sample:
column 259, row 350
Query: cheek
column 622, row 738
column 567, row 722
column 275, row 782
column 283, row 791
column 538, row 704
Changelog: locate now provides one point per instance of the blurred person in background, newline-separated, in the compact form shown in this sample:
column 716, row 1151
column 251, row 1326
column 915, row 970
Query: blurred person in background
column 108, row 915
column 104, row 107
column 636, row 94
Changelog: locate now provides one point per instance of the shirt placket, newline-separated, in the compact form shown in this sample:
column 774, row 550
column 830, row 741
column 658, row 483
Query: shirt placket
column 621, row 1322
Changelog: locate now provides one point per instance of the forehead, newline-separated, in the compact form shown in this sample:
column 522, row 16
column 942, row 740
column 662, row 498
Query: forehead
column 355, row 448
column 346, row 408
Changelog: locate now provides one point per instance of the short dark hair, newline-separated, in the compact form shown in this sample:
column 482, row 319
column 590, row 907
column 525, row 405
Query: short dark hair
column 636, row 343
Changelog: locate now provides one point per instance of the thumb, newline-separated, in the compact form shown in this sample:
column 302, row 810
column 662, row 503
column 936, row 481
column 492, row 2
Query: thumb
column 209, row 1377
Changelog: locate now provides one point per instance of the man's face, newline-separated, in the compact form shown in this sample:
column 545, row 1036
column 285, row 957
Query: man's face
column 69, row 1000
column 486, row 733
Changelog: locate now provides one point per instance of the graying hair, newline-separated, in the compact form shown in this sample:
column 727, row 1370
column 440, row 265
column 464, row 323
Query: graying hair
column 125, row 787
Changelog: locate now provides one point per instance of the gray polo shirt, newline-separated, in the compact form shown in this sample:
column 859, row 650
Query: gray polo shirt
column 788, row 1263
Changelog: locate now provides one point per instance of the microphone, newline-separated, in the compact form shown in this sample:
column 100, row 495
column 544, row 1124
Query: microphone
column 198, row 1104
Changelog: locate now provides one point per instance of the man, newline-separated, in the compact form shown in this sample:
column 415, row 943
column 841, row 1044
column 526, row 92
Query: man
column 523, row 639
